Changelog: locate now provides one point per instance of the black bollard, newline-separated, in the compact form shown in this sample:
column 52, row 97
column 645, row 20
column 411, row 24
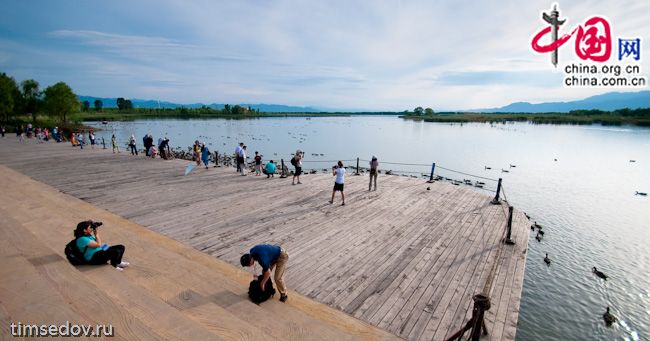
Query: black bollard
column 283, row 174
column 216, row 158
column 496, row 201
column 433, row 167
column 508, row 240
column 357, row 173
column 103, row 143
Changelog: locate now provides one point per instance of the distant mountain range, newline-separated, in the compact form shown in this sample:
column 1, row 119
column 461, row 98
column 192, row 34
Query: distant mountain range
column 144, row 103
column 609, row 101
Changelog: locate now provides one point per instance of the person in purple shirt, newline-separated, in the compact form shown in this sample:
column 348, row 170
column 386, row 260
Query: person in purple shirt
column 269, row 257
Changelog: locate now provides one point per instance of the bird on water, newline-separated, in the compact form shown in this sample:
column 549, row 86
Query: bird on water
column 599, row 273
column 547, row 260
column 609, row 318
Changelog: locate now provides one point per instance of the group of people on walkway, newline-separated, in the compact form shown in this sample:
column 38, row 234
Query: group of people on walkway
column 41, row 134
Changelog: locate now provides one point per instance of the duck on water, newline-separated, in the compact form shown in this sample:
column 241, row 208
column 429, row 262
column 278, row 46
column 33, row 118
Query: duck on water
column 599, row 273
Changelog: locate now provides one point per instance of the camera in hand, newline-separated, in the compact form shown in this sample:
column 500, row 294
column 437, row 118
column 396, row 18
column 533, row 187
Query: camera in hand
column 95, row 224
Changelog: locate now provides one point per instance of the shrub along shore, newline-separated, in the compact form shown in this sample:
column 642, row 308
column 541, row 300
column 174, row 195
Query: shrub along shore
column 638, row 117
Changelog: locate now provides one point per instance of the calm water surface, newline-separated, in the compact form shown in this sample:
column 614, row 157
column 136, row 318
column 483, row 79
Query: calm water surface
column 585, row 200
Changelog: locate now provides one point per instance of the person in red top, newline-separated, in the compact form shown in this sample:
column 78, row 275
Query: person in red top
column 258, row 164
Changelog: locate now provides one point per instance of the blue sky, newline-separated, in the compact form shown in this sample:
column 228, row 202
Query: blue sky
column 374, row 55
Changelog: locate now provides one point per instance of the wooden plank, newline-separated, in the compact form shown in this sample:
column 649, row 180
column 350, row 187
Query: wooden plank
column 373, row 258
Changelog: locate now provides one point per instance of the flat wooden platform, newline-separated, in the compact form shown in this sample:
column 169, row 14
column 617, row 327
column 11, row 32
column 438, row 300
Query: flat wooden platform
column 403, row 258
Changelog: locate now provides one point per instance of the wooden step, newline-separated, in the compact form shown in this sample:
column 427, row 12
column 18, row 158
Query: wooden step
column 39, row 287
column 209, row 292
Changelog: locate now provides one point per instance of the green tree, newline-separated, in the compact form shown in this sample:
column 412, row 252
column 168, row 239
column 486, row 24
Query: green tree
column 30, row 97
column 86, row 106
column 60, row 100
column 428, row 111
column 9, row 95
column 238, row 110
column 226, row 108
column 418, row 111
column 98, row 105
column 121, row 103
column 128, row 104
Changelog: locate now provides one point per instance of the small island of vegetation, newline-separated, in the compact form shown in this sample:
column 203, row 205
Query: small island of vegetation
column 638, row 117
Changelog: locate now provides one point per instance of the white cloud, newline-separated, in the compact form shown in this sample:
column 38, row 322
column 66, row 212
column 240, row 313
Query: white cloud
column 389, row 55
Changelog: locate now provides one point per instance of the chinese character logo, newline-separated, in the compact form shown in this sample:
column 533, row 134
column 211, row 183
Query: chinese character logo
column 593, row 38
column 629, row 48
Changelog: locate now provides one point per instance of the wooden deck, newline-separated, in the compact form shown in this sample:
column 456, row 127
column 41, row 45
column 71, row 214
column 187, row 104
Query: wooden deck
column 403, row 258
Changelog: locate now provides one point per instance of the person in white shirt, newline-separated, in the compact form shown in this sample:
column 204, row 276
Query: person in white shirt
column 339, row 172
column 242, row 158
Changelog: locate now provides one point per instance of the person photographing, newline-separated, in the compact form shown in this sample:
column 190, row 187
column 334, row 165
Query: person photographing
column 90, row 245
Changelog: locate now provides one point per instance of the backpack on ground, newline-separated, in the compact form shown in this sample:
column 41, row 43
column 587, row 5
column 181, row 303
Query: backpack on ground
column 256, row 294
column 294, row 162
column 72, row 253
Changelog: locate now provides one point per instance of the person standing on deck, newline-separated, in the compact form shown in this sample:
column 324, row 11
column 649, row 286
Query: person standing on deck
column 242, row 156
column 269, row 257
column 296, row 161
column 205, row 155
column 197, row 152
column 258, row 164
column 339, row 172
column 91, row 137
column 114, row 143
column 134, row 150
column 82, row 139
column 237, row 152
column 374, row 168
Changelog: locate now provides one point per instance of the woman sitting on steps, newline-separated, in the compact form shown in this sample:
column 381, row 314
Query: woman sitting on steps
column 91, row 247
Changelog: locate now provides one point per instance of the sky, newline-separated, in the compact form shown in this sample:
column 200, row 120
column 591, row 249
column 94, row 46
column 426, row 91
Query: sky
column 349, row 54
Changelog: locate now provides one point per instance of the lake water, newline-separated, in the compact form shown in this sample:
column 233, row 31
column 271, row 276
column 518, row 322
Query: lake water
column 585, row 200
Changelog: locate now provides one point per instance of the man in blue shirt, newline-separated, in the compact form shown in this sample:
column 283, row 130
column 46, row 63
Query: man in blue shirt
column 269, row 257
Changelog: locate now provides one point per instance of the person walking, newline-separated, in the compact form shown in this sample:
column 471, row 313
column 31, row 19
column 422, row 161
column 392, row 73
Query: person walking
column 258, row 164
column 205, row 155
column 134, row 150
column 114, row 143
column 296, row 161
column 374, row 168
column 339, row 172
column 269, row 257
column 3, row 131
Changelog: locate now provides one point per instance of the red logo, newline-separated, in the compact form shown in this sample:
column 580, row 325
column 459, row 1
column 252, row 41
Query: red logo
column 593, row 38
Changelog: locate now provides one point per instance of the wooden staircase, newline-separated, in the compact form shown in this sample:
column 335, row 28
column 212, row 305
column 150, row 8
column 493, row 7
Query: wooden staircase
column 170, row 291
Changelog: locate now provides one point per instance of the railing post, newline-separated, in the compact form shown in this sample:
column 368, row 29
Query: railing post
column 496, row 201
column 508, row 240
column 357, row 173
column 433, row 168
column 283, row 174
column 216, row 158
column 103, row 143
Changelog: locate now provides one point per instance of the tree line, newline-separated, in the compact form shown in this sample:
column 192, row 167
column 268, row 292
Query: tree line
column 25, row 98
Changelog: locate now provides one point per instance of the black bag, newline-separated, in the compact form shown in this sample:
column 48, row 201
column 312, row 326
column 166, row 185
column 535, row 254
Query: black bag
column 256, row 294
column 75, row 257
column 294, row 162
